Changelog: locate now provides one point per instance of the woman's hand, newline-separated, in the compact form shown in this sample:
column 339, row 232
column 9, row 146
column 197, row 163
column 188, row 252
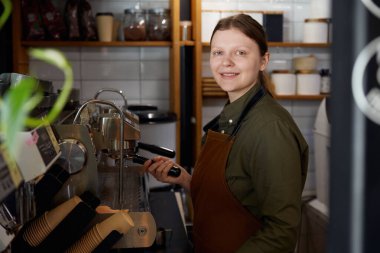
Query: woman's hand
column 159, row 167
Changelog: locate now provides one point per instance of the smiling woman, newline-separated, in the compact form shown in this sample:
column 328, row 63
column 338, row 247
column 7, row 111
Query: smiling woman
column 247, row 182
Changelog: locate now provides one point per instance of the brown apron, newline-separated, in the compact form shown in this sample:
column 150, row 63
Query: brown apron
column 221, row 223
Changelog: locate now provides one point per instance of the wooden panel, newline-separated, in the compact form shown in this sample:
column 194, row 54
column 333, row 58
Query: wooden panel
column 96, row 43
column 175, row 77
column 20, row 57
column 196, row 12
column 211, row 89
column 290, row 44
column 187, row 43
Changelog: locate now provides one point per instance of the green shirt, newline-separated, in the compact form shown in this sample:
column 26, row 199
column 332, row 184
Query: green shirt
column 266, row 170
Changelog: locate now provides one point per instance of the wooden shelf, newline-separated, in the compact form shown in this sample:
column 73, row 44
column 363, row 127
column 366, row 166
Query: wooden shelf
column 211, row 90
column 187, row 43
column 96, row 43
column 300, row 97
column 289, row 44
column 220, row 94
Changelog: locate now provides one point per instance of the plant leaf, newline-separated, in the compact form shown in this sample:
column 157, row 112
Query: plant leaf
column 15, row 107
column 56, row 58
column 7, row 11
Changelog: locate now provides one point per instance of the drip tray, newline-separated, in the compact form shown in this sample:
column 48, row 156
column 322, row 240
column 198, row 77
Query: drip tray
column 134, row 198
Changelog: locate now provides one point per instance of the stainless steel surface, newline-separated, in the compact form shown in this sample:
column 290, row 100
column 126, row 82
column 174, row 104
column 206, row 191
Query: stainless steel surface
column 25, row 202
column 75, row 155
column 109, row 128
column 120, row 92
column 135, row 200
column 121, row 151
column 121, row 183
column 142, row 235
column 87, row 178
column 7, row 220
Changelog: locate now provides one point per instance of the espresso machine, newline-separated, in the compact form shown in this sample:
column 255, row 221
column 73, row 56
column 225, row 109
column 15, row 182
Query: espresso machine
column 116, row 133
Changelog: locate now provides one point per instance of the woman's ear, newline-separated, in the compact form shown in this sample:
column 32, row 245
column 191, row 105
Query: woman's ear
column 264, row 61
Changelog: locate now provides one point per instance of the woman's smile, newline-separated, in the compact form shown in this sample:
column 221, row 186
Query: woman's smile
column 229, row 75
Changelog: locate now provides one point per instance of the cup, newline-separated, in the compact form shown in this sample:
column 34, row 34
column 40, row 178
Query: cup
column 87, row 243
column 37, row 231
column 56, row 215
column 41, row 227
column 120, row 221
column 104, row 23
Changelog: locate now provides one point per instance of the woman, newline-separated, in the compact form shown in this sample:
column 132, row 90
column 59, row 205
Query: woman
column 247, row 183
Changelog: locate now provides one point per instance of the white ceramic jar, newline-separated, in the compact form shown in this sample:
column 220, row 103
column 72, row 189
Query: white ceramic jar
column 284, row 82
column 305, row 62
column 316, row 31
column 308, row 82
column 320, row 9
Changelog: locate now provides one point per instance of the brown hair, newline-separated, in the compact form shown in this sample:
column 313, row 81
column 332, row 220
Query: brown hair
column 252, row 29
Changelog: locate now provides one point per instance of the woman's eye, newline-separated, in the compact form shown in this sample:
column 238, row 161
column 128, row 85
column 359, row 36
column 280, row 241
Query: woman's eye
column 216, row 53
column 240, row 52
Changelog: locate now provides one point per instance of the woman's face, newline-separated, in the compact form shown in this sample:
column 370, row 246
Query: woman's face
column 235, row 62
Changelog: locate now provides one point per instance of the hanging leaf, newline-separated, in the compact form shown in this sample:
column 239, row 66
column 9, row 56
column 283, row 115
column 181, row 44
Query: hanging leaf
column 7, row 11
column 23, row 97
column 17, row 104
column 55, row 58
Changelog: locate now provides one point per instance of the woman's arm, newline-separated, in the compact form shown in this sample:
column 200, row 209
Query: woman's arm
column 159, row 167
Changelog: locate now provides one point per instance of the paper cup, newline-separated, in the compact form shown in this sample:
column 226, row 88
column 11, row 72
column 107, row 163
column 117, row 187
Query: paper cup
column 120, row 222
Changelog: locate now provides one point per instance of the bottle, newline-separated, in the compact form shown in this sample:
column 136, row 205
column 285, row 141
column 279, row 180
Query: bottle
column 325, row 81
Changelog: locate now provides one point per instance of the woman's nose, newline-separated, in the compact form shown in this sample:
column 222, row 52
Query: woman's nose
column 227, row 61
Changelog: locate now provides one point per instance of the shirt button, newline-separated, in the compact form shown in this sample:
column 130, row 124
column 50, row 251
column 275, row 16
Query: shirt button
column 222, row 131
column 230, row 121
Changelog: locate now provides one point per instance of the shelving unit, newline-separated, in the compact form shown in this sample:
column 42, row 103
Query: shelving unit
column 21, row 60
column 96, row 44
column 289, row 44
column 210, row 89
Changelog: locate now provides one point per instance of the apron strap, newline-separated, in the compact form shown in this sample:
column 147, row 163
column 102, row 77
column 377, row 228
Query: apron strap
column 248, row 107
column 214, row 123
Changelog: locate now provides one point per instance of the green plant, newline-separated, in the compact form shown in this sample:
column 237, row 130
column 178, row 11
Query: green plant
column 7, row 11
column 21, row 98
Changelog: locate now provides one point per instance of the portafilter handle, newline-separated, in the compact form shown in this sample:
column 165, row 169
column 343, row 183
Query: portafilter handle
column 173, row 172
column 157, row 150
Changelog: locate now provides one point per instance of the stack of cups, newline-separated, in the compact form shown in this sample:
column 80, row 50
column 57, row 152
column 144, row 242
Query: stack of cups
column 40, row 228
column 120, row 221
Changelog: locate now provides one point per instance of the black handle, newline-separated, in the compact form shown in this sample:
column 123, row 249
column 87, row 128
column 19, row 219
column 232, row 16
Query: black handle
column 157, row 150
column 173, row 172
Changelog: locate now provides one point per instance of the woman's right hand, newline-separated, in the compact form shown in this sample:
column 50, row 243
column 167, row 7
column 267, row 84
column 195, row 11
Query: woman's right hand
column 159, row 167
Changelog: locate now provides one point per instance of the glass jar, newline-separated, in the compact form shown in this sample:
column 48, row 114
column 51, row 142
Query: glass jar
column 159, row 24
column 134, row 24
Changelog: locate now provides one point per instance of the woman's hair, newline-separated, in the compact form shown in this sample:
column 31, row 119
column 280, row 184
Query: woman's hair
column 252, row 29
